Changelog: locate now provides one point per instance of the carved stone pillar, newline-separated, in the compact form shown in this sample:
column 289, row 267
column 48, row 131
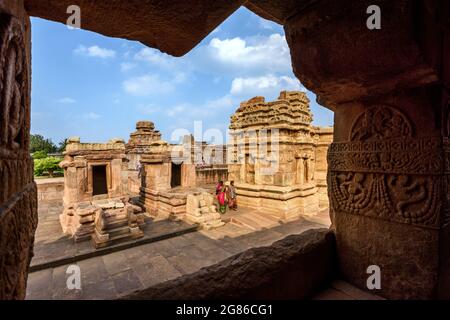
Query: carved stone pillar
column 18, row 197
column 388, row 171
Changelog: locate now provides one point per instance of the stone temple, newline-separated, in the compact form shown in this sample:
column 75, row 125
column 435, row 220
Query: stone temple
column 169, row 180
column 277, row 158
column 389, row 167
column 96, row 198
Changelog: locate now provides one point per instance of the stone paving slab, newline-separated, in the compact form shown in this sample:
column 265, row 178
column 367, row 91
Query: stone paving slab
column 118, row 273
column 52, row 248
column 63, row 251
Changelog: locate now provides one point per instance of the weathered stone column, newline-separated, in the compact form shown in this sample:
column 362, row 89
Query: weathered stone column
column 18, row 198
column 389, row 165
column 155, row 178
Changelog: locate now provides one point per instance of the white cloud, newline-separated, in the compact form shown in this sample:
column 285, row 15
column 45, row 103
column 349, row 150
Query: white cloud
column 268, row 86
column 127, row 66
column 92, row 116
column 266, row 24
column 95, row 51
column 188, row 112
column 66, row 100
column 155, row 57
column 219, row 103
column 148, row 108
column 252, row 56
column 180, row 77
column 216, row 30
column 148, row 85
column 172, row 67
column 178, row 109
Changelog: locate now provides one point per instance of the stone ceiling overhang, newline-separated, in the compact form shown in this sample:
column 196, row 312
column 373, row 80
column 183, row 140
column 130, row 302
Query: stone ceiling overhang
column 278, row 11
column 174, row 27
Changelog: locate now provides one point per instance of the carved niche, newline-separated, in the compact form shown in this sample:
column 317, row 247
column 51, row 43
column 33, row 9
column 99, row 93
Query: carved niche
column 385, row 172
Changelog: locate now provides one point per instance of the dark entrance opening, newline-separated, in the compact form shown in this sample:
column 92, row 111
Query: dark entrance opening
column 99, row 180
column 175, row 180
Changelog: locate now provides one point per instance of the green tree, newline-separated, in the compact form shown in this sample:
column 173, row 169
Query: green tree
column 62, row 145
column 39, row 143
column 40, row 154
column 49, row 165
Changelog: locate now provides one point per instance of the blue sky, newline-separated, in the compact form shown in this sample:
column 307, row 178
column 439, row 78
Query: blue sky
column 96, row 87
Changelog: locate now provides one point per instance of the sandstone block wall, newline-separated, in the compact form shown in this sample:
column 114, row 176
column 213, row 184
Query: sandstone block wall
column 211, row 175
column 51, row 190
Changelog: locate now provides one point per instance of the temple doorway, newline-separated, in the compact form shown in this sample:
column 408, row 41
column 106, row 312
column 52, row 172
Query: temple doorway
column 99, row 180
column 175, row 179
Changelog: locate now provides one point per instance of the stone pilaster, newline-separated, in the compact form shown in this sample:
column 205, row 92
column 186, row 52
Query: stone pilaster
column 388, row 165
column 18, row 197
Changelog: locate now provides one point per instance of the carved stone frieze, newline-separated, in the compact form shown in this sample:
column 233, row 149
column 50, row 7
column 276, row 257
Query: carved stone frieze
column 397, row 155
column 400, row 198
column 383, row 171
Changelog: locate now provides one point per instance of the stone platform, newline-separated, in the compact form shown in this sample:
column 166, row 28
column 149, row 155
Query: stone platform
column 285, row 202
column 191, row 204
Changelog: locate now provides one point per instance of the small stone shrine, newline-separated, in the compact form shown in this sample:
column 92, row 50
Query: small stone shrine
column 96, row 201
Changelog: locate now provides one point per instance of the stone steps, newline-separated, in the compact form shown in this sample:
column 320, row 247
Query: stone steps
column 116, row 232
column 213, row 224
column 111, row 225
column 115, row 237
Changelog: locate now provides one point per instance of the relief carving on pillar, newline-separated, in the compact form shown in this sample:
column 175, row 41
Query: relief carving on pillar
column 383, row 171
column 15, row 163
column 18, row 223
column 14, row 86
column 18, row 200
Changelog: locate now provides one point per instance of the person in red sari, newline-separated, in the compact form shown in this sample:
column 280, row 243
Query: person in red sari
column 221, row 197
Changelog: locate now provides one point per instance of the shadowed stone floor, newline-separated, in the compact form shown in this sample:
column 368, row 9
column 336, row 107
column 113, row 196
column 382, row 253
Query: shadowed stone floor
column 341, row 290
column 119, row 273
